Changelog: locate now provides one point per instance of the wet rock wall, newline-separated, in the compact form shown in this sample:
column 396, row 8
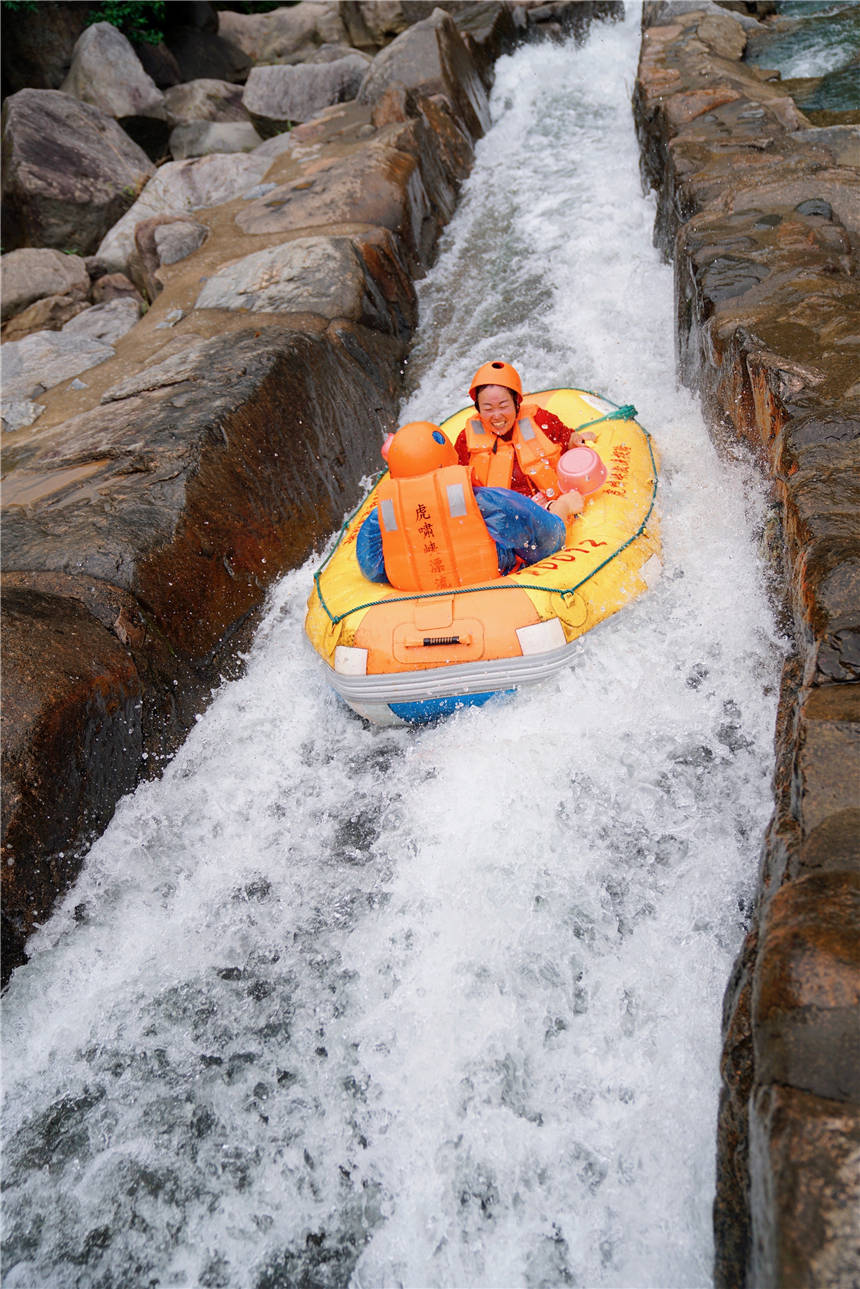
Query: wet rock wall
column 150, row 501
column 759, row 210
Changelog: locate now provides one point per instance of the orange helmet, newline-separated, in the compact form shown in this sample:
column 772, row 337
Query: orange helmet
column 418, row 448
column 496, row 374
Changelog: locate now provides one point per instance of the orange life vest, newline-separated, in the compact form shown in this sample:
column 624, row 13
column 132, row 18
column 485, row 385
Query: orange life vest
column 492, row 459
column 433, row 534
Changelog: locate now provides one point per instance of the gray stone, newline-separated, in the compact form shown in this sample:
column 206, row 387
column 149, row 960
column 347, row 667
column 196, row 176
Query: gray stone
column 177, row 240
column 332, row 53
column 104, row 322
column 32, row 273
column 44, row 359
column 201, row 138
column 204, row 100
column 276, row 97
column 163, row 239
column 171, row 318
column 107, row 73
column 18, row 414
column 69, row 171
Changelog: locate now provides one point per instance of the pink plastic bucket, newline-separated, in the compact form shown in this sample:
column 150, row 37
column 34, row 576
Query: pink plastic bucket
column 582, row 469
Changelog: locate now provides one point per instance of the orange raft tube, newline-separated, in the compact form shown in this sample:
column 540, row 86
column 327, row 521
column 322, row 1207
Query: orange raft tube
column 399, row 658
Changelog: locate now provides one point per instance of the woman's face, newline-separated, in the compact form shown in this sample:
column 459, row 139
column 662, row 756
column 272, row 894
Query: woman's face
column 497, row 408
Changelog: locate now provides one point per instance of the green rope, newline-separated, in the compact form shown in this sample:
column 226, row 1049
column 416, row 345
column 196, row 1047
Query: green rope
column 628, row 412
column 625, row 413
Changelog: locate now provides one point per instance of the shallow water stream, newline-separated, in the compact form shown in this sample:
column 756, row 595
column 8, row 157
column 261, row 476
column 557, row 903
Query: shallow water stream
column 335, row 1006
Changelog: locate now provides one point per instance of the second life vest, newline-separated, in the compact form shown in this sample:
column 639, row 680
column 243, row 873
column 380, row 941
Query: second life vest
column 433, row 534
column 492, row 459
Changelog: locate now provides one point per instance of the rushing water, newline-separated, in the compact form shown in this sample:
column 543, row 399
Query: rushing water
column 339, row 1006
column 817, row 39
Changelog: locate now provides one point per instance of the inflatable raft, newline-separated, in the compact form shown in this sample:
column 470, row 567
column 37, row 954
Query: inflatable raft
column 400, row 658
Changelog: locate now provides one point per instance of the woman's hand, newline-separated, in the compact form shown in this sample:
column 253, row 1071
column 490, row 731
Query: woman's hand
column 579, row 438
column 567, row 505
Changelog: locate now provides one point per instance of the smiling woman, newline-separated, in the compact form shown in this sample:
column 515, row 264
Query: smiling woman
column 509, row 445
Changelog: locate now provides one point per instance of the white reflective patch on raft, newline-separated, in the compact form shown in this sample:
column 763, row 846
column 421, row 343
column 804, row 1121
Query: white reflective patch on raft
column 456, row 500
column 389, row 522
column 651, row 570
column 541, row 637
column 378, row 714
column 350, row 661
column 599, row 404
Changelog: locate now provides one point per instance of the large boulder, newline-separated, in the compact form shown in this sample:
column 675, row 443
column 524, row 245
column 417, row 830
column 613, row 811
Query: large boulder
column 277, row 97
column 402, row 179
column 332, row 277
column 33, row 273
column 287, row 34
column 372, row 25
column 204, row 100
column 178, row 188
column 431, row 57
column 69, row 171
column 202, row 138
column 107, row 73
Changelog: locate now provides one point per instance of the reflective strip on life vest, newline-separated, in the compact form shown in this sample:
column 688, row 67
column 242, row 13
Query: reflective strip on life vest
column 456, row 500
column 389, row 519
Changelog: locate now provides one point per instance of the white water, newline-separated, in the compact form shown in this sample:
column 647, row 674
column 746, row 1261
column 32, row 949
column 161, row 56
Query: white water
column 337, row 1006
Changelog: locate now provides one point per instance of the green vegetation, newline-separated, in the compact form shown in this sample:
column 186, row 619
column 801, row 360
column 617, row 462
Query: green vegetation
column 142, row 21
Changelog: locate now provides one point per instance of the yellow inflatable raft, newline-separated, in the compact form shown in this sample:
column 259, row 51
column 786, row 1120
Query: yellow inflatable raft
column 400, row 658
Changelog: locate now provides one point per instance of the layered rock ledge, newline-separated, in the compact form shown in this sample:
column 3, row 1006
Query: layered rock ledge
column 161, row 473
column 760, row 211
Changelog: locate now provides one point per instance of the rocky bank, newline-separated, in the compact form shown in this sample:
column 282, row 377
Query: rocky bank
column 759, row 208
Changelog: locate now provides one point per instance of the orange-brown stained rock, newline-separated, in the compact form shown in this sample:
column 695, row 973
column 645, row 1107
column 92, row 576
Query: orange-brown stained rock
column 807, row 987
column 805, row 1191
column 681, row 108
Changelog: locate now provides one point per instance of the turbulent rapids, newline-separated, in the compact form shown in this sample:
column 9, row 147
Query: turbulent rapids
column 336, row 1005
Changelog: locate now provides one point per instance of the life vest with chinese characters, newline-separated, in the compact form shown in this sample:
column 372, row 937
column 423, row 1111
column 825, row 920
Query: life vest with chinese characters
column 491, row 459
column 433, row 534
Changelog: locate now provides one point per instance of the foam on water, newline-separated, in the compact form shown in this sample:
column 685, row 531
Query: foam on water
column 332, row 1005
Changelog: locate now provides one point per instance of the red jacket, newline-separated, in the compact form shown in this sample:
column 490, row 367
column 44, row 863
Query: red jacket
column 552, row 426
